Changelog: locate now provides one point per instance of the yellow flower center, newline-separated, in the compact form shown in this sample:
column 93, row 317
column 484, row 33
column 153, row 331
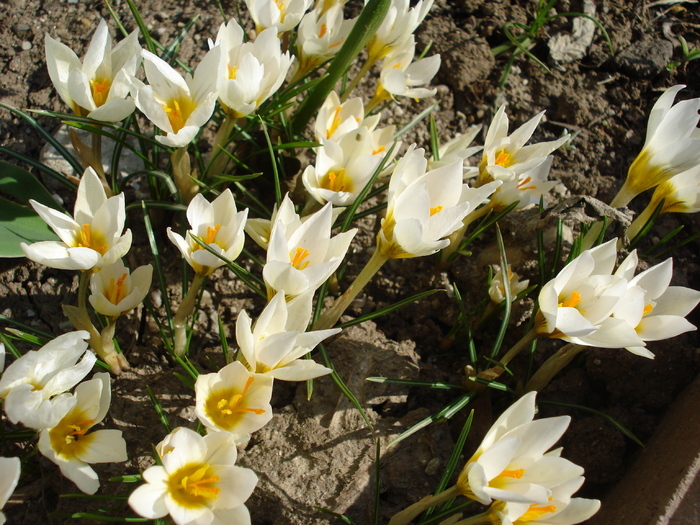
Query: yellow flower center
column 117, row 290
column 210, row 238
column 503, row 158
column 517, row 474
column 573, row 300
column 178, row 111
column 436, row 209
column 535, row 512
column 335, row 123
column 67, row 439
column 224, row 408
column 337, row 181
column 232, row 70
column 194, row 485
column 648, row 309
column 87, row 238
column 297, row 257
column 380, row 149
column 323, row 30
column 100, row 90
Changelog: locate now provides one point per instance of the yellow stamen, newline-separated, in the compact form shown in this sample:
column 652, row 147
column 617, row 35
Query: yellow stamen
column 90, row 239
column 648, row 309
column 503, row 158
column 517, row 474
column 117, row 291
column 232, row 70
column 298, row 257
column 336, row 122
column 337, row 181
column 209, row 238
column 380, row 149
column 436, row 209
column 322, row 31
column 192, row 486
column 573, row 300
column 535, row 512
column 179, row 111
column 100, row 90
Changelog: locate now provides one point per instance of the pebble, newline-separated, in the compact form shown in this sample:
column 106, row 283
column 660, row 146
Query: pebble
column 26, row 45
column 72, row 1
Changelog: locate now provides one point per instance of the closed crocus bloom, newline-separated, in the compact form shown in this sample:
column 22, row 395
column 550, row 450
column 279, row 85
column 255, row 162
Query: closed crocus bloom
column 509, row 152
column 303, row 257
column 321, row 35
column 233, row 400
column 342, row 169
column 402, row 77
column 219, row 225
column 99, row 86
column 278, row 341
column 424, row 208
column 252, row 71
column 115, row 291
column 398, row 26
column 92, row 238
column 10, row 467
column 497, row 290
column 70, row 444
column 336, row 119
column 525, row 187
column 280, row 16
column 197, row 482
column 34, row 387
column 672, row 146
column 512, row 463
column 179, row 106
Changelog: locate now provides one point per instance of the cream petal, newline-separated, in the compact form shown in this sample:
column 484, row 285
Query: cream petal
column 104, row 446
column 149, row 501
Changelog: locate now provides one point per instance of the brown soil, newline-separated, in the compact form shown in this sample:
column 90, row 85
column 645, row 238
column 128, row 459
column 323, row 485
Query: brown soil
column 320, row 452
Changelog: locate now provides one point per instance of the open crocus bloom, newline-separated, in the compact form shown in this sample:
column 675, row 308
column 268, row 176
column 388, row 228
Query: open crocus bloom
column 402, row 77
column 233, row 399
column 34, row 387
column 115, row 291
column 277, row 343
column 509, row 152
column 219, row 225
column 251, row 71
column 398, row 26
column 457, row 148
column 424, row 208
column 99, row 86
column 512, row 463
column 92, row 238
column 335, row 120
column 672, row 146
column 69, row 444
column 179, row 106
column 321, row 34
column 197, row 482
column 525, row 187
column 10, row 468
column 280, row 16
column 301, row 256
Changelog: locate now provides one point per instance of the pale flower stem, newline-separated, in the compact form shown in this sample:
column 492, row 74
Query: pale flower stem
column 331, row 316
column 552, row 367
column 184, row 311
column 518, row 347
column 221, row 159
column 623, row 197
column 116, row 361
column 355, row 81
column 639, row 222
column 479, row 519
column 405, row 516
column 381, row 95
column 457, row 237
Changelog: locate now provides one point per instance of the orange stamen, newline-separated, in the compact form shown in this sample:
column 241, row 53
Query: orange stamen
column 117, row 290
column 335, row 123
column 573, row 300
column 380, row 149
column 436, row 209
column 517, row 474
column 323, row 30
column 503, row 159
column 100, row 90
column 298, row 257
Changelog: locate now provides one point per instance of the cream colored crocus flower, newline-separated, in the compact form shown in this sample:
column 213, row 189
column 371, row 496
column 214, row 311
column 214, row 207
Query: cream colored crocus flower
column 276, row 344
column 342, row 169
column 320, row 36
column 524, row 187
column 497, row 290
column 92, row 238
column 197, row 482
column 179, row 106
column 219, row 225
column 99, row 86
column 251, row 72
column 301, row 256
column 457, row 148
column 398, row 27
column 72, row 446
column 508, row 152
column 233, row 400
column 424, row 208
column 672, row 145
column 680, row 194
column 34, row 387
column 116, row 291
column 10, row 468
column 336, row 119
column 276, row 14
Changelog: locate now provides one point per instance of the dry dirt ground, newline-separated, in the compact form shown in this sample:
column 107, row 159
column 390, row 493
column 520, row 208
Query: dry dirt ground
column 320, row 452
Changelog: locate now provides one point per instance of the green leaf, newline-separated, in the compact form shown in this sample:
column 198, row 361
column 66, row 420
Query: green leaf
column 23, row 186
column 20, row 224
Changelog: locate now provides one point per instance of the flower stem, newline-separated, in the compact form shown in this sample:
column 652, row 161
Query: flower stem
column 116, row 360
column 184, row 311
column 479, row 519
column 552, row 367
column 457, row 236
column 355, row 81
column 405, row 516
column 494, row 372
column 641, row 219
column 220, row 158
column 331, row 316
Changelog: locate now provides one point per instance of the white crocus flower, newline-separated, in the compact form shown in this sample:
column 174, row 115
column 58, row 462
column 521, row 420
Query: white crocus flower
column 99, row 86
column 577, row 304
column 10, row 468
column 320, row 36
column 655, row 310
column 302, row 256
column 424, row 208
column 115, row 291
column 197, row 482
column 672, row 146
column 276, row 14
column 219, row 225
column 233, row 400
column 336, row 119
column 512, row 463
column 179, row 106
column 343, row 169
column 497, row 290
column 278, row 341
column 92, row 238
column 252, row 71
column 34, row 386
column 72, row 448
column 398, row 26
column 525, row 187
column 401, row 77
column 509, row 152
column 457, row 148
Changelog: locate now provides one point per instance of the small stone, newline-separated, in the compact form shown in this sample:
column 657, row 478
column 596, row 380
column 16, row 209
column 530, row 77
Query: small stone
column 26, row 45
column 22, row 30
column 72, row 1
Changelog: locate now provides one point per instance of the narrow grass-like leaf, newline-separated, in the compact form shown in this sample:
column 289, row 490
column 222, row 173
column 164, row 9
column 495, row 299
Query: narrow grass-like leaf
column 171, row 50
column 20, row 335
column 156, row 265
column 442, row 514
column 416, row 120
column 411, row 382
column 434, row 138
column 128, row 478
column 145, row 33
column 100, row 517
column 105, row 497
column 647, row 225
column 274, row 163
column 506, row 292
column 9, row 346
column 383, row 311
column 341, row 517
column 162, row 416
column 492, row 384
column 377, row 479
